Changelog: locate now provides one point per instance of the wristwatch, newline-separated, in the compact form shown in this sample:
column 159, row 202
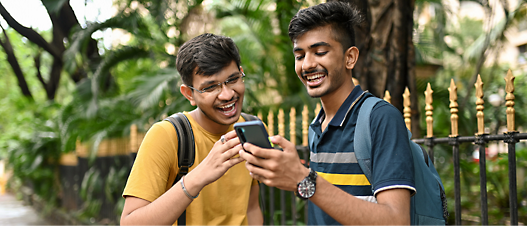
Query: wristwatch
column 306, row 188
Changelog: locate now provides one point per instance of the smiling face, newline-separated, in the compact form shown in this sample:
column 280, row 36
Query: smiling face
column 217, row 110
column 321, row 63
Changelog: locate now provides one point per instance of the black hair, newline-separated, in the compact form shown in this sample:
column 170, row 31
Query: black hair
column 339, row 15
column 206, row 54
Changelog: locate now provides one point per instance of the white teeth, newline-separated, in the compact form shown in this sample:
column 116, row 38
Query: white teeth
column 227, row 106
column 316, row 76
column 227, row 112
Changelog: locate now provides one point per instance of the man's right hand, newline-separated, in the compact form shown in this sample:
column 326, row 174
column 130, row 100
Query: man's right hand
column 275, row 168
column 220, row 159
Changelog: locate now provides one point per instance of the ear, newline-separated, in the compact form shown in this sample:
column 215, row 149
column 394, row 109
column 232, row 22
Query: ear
column 352, row 55
column 187, row 92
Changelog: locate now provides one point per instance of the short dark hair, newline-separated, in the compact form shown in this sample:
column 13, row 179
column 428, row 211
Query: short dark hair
column 206, row 54
column 340, row 16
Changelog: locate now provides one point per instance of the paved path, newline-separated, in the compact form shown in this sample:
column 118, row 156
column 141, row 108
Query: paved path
column 14, row 212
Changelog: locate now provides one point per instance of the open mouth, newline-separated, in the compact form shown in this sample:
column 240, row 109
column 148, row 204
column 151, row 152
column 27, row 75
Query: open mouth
column 228, row 109
column 315, row 79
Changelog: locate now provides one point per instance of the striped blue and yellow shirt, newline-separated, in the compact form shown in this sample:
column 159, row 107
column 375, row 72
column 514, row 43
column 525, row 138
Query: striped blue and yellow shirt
column 333, row 157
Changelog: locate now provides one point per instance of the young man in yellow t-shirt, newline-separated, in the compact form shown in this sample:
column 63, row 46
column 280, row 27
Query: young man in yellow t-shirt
column 217, row 190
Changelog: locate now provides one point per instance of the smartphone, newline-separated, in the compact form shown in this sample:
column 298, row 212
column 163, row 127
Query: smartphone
column 253, row 132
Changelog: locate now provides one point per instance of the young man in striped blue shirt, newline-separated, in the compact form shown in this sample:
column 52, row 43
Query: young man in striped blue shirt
column 336, row 187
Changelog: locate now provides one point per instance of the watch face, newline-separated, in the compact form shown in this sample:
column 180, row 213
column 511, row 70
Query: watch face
column 306, row 189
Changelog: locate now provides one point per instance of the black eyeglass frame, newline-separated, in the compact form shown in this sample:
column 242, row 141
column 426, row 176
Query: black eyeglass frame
column 217, row 85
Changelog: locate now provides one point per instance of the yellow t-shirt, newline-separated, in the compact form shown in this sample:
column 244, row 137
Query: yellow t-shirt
column 223, row 202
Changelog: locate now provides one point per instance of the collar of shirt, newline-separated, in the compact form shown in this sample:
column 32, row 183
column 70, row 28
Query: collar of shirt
column 344, row 109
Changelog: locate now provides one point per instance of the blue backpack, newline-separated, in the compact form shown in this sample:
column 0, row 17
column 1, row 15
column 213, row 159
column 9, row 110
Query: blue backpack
column 429, row 204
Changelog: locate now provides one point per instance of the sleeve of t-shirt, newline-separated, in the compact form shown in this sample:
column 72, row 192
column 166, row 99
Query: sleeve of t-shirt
column 392, row 161
column 150, row 173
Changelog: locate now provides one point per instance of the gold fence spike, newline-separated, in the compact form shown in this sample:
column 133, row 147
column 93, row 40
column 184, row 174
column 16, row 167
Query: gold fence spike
column 133, row 139
column 453, row 109
column 292, row 125
column 259, row 115
column 305, row 126
column 281, row 122
column 407, row 111
column 317, row 109
column 429, row 111
column 387, row 96
column 270, row 123
column 509, row 98
column 479, row 106
column 355, row 81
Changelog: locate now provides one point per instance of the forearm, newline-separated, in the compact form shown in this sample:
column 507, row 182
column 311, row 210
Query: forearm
column 254, row 213
column 165, row 210
column 349, row 210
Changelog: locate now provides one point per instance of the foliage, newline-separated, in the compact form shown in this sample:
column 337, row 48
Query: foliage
column 457, row 48
column 497, row 185
column 33, row 152
column 91, row 191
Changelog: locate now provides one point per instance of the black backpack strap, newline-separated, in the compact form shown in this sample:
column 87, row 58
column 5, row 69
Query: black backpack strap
column 425, row 155
column 185, row 152
column 185, row 142
column 249, row 117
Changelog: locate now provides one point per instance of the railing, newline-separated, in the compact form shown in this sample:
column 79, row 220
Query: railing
column 511, row 137
column 284, row 208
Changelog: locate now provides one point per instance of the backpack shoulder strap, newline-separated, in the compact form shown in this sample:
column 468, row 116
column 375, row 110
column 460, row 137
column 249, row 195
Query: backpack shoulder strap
column 362, row 138
column 186, row 149
column 249, row 117
column 185, row 152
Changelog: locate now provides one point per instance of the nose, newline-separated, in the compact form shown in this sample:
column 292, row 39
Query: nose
column 309, row 62
column 226, row 92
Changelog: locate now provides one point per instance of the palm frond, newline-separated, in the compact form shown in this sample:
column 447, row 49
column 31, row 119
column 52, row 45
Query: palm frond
column 151, row 88
column 115, row 57
column 132, row 22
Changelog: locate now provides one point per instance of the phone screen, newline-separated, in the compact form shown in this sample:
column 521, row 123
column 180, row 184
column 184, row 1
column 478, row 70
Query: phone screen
column 253, row 132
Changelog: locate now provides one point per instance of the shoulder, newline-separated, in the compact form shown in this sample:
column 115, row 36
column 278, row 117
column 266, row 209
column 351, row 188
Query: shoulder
column 161, row 136
column 384, row 110
column 162, row 127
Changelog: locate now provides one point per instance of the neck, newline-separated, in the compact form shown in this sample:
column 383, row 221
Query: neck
column 206, row 123
column 332, row 101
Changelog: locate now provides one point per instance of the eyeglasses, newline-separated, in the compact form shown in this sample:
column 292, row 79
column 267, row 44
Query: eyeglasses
column 216, row 88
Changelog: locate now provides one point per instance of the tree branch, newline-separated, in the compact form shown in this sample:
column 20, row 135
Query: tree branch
column 39, row 74
column 11, row 58
column 29, row 33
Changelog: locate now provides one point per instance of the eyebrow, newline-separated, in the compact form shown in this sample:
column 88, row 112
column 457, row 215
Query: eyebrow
column 296, row 49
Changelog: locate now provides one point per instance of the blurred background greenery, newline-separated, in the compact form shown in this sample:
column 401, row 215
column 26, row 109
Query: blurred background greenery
column 85, row 80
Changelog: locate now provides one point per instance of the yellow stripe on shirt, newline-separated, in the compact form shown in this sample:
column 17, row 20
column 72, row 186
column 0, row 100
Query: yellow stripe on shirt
column 345, row 179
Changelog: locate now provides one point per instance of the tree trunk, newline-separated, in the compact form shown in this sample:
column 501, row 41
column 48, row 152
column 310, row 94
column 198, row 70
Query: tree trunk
column 387, row 56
